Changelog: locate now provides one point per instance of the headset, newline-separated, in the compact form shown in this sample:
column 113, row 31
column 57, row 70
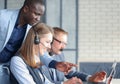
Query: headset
column 36, row 38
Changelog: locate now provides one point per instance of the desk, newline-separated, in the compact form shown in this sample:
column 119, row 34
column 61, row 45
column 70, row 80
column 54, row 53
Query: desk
column 114, row 81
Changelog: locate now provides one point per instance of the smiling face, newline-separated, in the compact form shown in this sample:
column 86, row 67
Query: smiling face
column 33, row 13
column 45, row 43
column 59, row 43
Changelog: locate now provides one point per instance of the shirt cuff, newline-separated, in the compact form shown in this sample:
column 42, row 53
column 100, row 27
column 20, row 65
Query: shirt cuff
column 52, row 64
column 87, row 78
column 61, row 82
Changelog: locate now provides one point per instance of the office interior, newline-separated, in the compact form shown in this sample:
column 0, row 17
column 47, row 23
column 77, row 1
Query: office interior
column 93, row 27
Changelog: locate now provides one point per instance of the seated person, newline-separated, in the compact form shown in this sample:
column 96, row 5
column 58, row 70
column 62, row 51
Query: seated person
column 57, row 46
column 25, row 66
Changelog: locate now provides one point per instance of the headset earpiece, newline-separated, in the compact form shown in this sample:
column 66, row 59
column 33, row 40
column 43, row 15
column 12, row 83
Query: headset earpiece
column 36, row 38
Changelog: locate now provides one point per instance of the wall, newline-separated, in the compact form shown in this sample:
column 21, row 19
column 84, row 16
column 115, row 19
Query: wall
column 14, row 4
column 11, row 4
column 99, row 30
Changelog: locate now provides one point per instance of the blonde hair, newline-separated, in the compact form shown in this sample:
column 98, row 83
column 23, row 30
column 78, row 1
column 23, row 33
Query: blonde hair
column 58, row 31
column 28, row 47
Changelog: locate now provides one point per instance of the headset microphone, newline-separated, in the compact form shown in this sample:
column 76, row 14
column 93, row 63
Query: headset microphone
column 61, row 49
column 43, row 45
column 58, row 49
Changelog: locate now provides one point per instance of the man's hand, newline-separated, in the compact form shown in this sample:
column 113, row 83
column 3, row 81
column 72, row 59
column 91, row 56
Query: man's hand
column 65, row 66
column 98, row 77
column 73, row 80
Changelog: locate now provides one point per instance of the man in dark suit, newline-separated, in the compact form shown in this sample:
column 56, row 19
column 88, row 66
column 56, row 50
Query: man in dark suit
column 57, row 46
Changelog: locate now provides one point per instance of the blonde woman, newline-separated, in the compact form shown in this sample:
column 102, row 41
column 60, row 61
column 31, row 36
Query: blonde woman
column 25, row 65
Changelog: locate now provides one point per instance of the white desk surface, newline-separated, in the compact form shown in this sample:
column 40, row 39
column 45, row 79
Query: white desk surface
column 114, row 81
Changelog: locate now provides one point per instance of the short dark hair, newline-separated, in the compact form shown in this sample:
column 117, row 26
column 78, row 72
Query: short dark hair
column 31, row 2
